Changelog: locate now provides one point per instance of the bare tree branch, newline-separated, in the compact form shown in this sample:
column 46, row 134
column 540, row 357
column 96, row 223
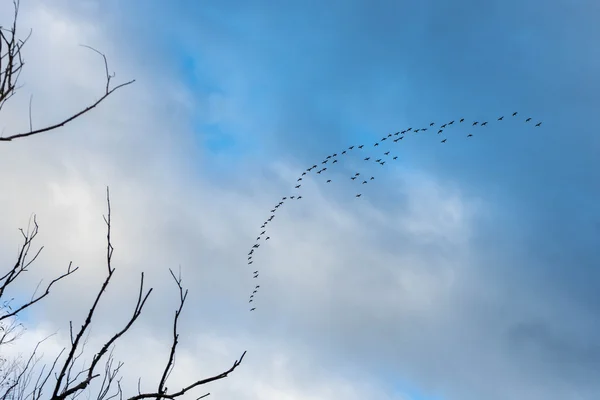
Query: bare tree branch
column 70, row 385
column 21, row 266
column 11, row 65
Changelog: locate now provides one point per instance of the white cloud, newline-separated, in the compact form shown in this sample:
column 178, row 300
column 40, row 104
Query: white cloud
column 341, row 280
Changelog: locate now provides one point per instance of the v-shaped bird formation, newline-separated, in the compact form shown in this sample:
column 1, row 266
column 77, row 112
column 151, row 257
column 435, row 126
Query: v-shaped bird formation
column 392, row 139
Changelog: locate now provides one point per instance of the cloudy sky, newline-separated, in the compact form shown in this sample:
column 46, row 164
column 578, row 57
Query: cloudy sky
column 466, row 270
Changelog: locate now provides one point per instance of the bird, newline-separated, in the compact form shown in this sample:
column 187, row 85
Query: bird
column 334, row 161
column 383, row 162
column 469, row 135
column 444, row 141
column 267, row 238
column 358, row 195
column 252, row 309
column 451, row 122
column 357, row 174
column 299, row 197
column 386, row 153
column 515, row 113
column 367, row 158
column 484, row 123
column 431, row 124
column 440, row 131
column 395, row 158
column 298, row 186
column 475, row 123
column 538, row 124
column 353, row 177
column 250, row 301
column 443, row 126
column 376, row 144
column 501, row 118
column 372, row 178
column 328, row 180
column 462, row 120
column 364, row 182
column 361, row 146
column 299, row 179
column 528, row 119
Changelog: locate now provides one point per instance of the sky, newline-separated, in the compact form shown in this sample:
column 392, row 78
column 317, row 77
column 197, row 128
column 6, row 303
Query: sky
column 467, row 269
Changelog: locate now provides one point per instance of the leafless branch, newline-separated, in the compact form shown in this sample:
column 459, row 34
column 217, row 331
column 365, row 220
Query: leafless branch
column 162, row 390
column 21, row 266
column 61, row 392
column 11, row 65
column 70, row 385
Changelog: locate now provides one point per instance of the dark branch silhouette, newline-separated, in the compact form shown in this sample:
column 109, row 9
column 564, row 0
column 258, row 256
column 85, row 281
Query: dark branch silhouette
column 11, row 66
column 71, row 384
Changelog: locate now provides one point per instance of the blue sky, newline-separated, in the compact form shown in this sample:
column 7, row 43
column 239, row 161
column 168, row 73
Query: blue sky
column 276, row 86
column 305, row 79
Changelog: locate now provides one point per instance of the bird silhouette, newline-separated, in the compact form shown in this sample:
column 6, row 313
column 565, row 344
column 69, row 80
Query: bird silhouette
column 331, row 159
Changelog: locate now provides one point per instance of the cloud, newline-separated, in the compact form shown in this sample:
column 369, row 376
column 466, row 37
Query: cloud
column 436, row 282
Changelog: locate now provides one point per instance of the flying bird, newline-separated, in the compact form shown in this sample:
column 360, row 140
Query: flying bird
column 358, row 195
column 515, row 113
column 444, row 141
column 538, row 124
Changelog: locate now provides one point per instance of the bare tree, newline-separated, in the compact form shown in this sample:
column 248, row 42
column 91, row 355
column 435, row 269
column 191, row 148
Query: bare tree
column 70, row 384
column 28, row 378
column 11, row 66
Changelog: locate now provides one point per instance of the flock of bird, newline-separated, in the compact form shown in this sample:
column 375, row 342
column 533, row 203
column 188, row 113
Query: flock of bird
column 396, row 137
